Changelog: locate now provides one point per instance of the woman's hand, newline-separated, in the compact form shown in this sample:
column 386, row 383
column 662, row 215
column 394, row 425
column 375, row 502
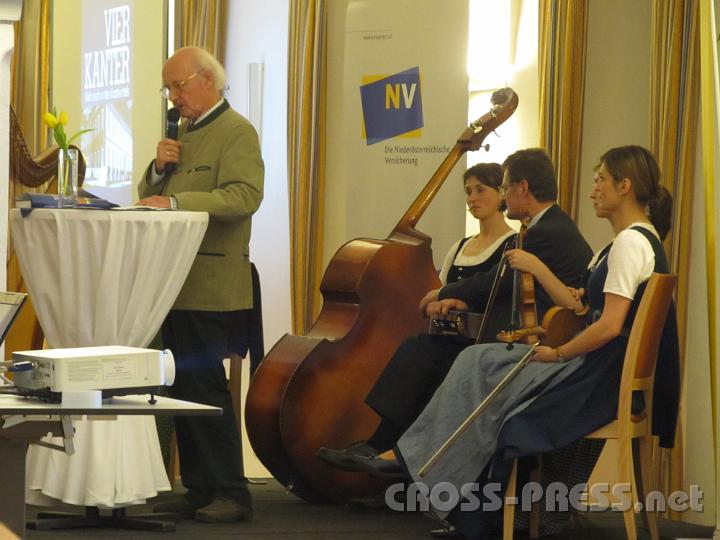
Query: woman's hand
column 522, row 260
column 440, row 308
column 578, row 294
column 431, row 296
column 545, row 354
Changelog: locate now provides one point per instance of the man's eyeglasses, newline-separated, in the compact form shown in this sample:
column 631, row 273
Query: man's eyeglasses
column 177, row 86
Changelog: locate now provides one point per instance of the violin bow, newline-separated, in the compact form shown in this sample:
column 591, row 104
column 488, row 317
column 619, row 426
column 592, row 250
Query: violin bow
column 484, row 404
column 502, row 266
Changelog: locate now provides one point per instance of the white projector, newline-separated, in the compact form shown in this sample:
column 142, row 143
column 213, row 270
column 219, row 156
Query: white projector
column 115, row 370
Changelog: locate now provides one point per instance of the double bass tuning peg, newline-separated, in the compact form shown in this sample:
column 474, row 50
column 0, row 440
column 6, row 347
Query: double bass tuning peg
column 486, row 147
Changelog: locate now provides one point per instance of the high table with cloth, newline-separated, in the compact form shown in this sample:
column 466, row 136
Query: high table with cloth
column 103, row 277
column 26, row 420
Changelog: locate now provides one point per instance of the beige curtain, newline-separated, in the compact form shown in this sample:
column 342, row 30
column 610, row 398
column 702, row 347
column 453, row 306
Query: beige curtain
column 29, row 98
column 30, row 72
column 562, row 43
column 306, row 156
column 674, row 101
column 710, row 107
column 201, row 23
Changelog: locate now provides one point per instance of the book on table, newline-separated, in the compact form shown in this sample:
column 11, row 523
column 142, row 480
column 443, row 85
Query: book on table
column 50, row 200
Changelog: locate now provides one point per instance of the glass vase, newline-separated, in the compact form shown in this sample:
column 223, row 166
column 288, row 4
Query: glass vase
column 67, row 178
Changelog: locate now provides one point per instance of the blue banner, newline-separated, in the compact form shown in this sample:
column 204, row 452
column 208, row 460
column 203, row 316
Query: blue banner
column 392, row 106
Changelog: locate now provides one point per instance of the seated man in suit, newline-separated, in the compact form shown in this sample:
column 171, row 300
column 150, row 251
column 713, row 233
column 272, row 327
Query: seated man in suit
column 421, row 362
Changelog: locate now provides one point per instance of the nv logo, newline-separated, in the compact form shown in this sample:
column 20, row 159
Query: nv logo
column 392, row 106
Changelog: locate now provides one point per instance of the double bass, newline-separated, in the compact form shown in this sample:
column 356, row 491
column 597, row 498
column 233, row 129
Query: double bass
column 309, row 391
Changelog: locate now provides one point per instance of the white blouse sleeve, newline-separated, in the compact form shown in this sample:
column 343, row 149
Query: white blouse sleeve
column 631, row 261
column 447, row 263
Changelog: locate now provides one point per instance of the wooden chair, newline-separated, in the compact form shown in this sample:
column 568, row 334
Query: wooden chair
column 638, row 375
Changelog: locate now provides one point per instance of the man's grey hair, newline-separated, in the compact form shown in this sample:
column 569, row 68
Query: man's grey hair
column 208, row 63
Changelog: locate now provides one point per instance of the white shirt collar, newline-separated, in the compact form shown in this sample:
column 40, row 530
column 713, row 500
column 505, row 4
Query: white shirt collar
column 539, row 216
column 207, row 113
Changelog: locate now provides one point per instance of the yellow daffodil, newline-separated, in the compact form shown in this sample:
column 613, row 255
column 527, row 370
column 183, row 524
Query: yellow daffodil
column 56, row 122
column 50, row 120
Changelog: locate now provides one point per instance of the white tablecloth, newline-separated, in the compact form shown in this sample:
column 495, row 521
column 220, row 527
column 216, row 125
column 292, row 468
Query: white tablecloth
column 103, row 278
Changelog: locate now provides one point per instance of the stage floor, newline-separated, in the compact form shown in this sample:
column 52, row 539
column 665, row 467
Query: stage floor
column 279, row 515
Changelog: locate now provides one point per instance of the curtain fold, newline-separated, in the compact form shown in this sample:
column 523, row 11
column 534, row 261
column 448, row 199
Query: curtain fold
column 562, row 47
column 29, row 94
column 710, row 125
column 306, row 156
column 674, row 102
column 201, row 23
column 29, row 88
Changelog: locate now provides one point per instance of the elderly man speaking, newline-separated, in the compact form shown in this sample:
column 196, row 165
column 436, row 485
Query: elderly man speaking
column 215, row 167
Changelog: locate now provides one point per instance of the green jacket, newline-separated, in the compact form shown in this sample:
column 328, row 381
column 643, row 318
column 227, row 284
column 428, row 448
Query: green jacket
column 220, row 172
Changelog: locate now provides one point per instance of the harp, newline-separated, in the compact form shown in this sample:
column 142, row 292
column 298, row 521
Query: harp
column 36, row 173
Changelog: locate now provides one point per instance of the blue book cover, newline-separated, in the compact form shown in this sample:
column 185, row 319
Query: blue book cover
column 50, row 200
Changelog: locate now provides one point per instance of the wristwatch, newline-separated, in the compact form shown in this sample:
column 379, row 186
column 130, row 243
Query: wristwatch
column 560, row 357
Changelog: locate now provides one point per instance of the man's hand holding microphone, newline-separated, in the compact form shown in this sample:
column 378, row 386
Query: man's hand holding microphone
column 168, row 150
column 166, row 159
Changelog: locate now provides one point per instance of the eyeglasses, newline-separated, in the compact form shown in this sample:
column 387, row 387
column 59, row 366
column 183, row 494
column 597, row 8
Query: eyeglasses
column 177, row 86
column 503, row 189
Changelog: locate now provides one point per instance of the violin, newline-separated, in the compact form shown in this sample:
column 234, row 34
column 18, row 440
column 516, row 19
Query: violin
column 559, row 325
column 309, row 391
column 524, row 311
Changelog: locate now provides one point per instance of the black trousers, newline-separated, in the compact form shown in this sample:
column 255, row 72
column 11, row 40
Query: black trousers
column 412, row 375
column 209, row 447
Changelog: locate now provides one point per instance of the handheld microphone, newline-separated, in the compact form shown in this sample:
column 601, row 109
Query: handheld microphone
column 171, row 132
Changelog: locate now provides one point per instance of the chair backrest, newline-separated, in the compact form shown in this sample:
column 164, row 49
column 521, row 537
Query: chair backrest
column 644, row 340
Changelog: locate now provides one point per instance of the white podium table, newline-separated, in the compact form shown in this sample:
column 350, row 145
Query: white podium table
column 102, row 277
column 38, row 422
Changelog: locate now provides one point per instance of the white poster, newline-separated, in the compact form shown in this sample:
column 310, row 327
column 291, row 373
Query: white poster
column 107, row 95
column 107, row 58
column 404, row 104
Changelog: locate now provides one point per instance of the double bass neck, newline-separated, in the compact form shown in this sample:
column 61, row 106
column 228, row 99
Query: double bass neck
column 504, row 102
